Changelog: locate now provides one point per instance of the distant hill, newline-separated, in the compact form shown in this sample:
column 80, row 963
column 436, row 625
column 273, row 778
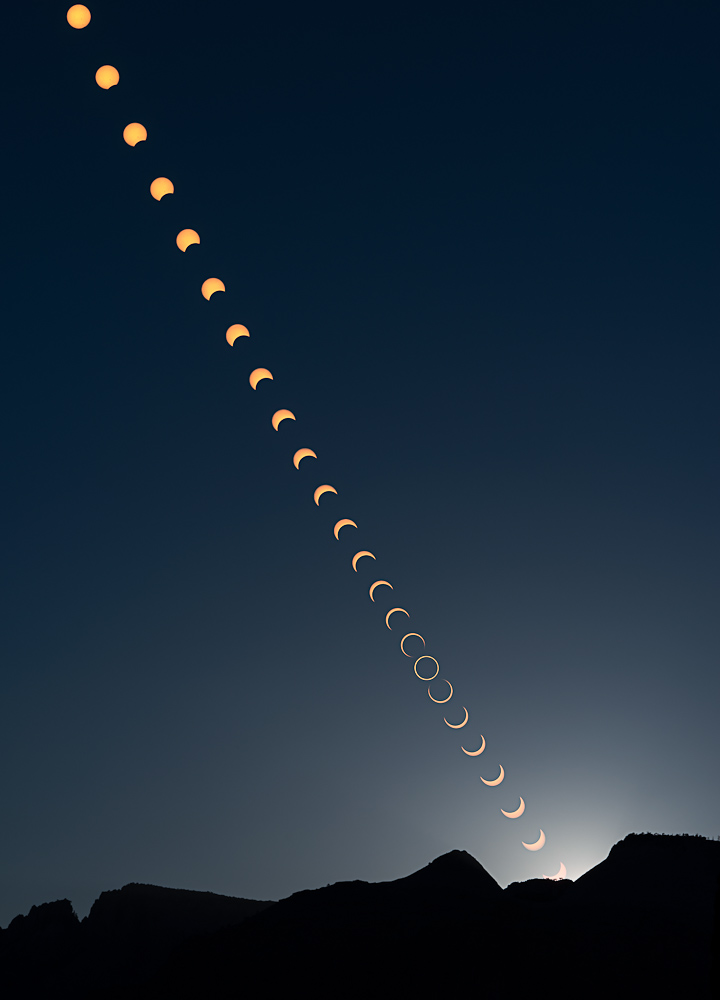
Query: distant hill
column 126, row 937
column 644, row 924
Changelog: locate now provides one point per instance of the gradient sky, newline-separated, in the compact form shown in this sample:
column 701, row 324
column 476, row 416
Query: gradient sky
column 477, row 246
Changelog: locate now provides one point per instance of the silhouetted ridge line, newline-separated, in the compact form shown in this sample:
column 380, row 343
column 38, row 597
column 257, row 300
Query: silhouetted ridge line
column 128, row 935
column 642, row 923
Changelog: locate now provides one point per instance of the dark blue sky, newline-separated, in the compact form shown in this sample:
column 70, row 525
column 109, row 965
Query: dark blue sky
column 477, row 246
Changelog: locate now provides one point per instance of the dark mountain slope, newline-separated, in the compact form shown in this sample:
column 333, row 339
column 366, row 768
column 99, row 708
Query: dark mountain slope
column 646, row 914
column 449, row 926
column 350, row 938
column 640, row 924
column 128, row 934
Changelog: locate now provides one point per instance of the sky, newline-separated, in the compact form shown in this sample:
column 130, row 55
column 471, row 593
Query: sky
column 477, row 247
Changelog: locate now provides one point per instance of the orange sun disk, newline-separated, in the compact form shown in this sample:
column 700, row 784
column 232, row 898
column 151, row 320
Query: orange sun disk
column 134, row 133
column 78, row 16
column 107, row 77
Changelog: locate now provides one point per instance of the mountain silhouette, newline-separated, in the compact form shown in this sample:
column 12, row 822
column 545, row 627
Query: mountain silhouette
column 643, row 923
column 126, row 937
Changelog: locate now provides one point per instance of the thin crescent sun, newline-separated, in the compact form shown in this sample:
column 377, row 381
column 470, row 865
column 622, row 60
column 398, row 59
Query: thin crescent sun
column 518, row 812
column 258, row 375
column 475, row 753
column 439, row 701
column 359, row 555
column 392, row 612
column 559, row 874
column 379, row 583
column 322, row 490
column 402, row 647
column 495, row 781
column 341, row 524
column 302, row 453
column 460, row 724
column 280, row 415
column 437, row 670
column 539, row 843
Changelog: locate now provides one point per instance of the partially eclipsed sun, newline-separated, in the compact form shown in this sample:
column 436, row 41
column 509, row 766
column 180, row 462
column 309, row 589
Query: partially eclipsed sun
column 321, row 490
column 518, row 812
column 496, row 781
column 392, row 612
column 540, row 842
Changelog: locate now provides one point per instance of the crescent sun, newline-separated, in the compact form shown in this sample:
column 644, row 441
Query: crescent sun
column 379, row 583
column 437, row 670
column 475, row 753
column 460, row 724
column 560, row 873
column 495, row 781
column 392, row 612
column 341, row 524
column 359, row 555
column 186, row 238
column 440, row 701
column 518, row 812
column 233, row 332
column 210, row 286
column 302, row 453
column 540, row 842
column 258, row 375
column 280, row 415
column 407, row 637
column 320, row 490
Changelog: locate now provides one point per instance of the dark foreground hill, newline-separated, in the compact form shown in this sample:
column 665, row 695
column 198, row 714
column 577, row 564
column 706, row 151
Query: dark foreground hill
column 643, row 923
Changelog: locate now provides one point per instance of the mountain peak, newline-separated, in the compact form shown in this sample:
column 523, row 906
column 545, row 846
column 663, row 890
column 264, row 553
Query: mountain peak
column 454, row 860
column 455, row 870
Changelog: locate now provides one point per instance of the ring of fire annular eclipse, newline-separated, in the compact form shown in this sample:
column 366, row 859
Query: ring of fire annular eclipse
column 437, row 668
